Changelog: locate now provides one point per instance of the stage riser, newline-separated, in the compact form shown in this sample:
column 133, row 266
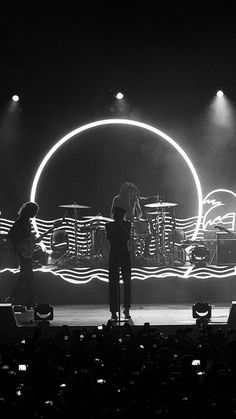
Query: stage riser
column 54, row 290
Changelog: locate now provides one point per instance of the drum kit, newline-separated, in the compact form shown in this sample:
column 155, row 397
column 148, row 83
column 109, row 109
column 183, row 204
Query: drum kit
column 154, row 226
column 164, row 254
column 95, row 233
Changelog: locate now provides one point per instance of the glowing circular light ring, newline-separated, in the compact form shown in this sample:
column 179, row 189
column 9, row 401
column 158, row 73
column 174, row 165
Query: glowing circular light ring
column 124, row 122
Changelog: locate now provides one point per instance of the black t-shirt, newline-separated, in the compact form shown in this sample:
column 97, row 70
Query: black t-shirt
column 21, row 230
column 118, row 233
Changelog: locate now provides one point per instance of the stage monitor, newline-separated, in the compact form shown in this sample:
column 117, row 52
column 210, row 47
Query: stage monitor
column 226, row 251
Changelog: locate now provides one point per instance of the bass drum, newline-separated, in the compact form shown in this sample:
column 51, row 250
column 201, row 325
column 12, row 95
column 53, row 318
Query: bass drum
column 141, row 228
column 176, row 236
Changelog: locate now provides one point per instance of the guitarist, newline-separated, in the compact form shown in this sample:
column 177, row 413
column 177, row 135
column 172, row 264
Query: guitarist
column 19, row 235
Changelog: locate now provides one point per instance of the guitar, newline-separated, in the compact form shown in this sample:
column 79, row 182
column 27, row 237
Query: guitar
column 26, row 247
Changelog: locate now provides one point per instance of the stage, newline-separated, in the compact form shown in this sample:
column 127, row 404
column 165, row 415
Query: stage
column 150, row 285
column 156, row 315
column 163, row 301
column 162, row 295
column 168, row 318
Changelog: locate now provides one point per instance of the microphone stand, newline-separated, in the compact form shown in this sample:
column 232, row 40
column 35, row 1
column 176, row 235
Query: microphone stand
column 174, row 234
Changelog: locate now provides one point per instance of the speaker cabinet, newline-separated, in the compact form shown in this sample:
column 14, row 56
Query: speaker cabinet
column 226, row 251
column 7, row 317
column 232, row 316
column 211, row 246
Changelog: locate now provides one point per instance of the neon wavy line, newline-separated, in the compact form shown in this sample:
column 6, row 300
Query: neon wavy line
column 88, row 275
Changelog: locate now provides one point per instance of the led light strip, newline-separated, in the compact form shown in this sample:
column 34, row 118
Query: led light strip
column 124, row 122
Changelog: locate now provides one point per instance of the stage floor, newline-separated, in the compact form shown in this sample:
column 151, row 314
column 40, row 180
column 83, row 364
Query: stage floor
column 157, row 315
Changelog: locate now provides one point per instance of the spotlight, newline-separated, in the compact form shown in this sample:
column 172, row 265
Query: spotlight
column 15, row 98
column 119, row 96
column 43, row 312
column 199, row 256
column 220, row 93
column 201, row 310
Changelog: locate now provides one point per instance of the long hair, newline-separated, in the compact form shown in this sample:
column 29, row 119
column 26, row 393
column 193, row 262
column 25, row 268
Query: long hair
column 119, row 213
column 28, row 209
column 127, row 189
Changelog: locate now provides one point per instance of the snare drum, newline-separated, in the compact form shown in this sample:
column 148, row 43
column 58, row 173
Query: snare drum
column 141, row 228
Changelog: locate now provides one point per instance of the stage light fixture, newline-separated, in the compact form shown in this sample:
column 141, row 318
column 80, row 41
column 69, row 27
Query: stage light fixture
column 15, row 98
column 199, row 256
column 43, row 312
column 201, row 310
column 119, row 96
column 220, row 93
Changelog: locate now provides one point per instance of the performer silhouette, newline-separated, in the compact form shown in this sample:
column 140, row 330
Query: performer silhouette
column 20, row 236
column 128, row 198
column 118, row 233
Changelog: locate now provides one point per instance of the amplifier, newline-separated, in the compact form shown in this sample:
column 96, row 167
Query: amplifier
column 225, row 236
column 226, row 250
column 209, row 234
column 211, row 246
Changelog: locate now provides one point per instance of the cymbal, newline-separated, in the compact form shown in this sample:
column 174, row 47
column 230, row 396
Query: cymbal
column 97, row 217
column 158, row 212
column 74, row 206
column 160, row 205
column 187, row 243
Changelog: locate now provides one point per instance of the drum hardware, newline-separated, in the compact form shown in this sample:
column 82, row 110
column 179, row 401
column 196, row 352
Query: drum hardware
column 88, row 230
column 98, row 218
column 98, row 251
column 164, row 256
column 85, row 229
column 141, row 227
column 98, row 236
column 149, row 197
column 159, row 212
column 162, row 252
column 99, row 248
column 74, row 259
column 188, row 243
column 140, row 231
column 74, row 206
column 177, row 253
column 160, row 205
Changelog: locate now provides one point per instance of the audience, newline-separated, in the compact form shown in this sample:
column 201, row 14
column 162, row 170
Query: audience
column 119, row 372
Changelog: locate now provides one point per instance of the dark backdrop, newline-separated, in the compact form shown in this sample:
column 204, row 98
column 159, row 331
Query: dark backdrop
column 66, row 63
